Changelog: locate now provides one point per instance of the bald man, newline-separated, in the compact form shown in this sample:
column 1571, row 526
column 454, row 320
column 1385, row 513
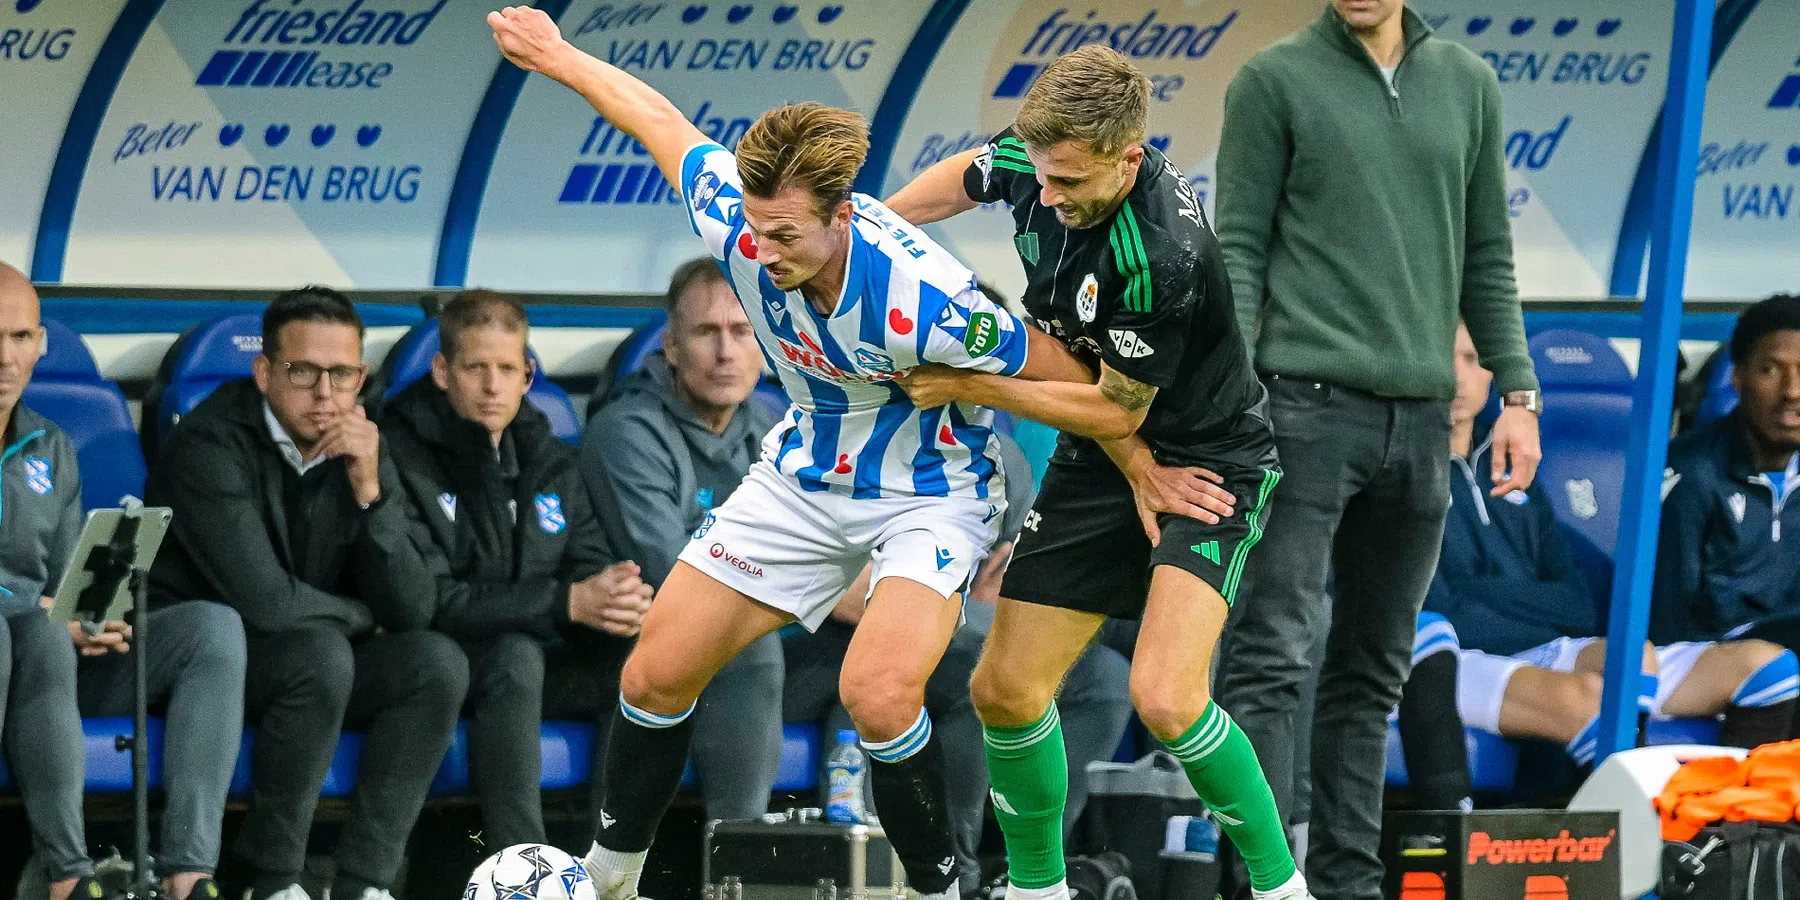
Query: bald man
column 53, row 673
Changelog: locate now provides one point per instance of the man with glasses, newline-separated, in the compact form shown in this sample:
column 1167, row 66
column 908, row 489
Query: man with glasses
column 289, row 510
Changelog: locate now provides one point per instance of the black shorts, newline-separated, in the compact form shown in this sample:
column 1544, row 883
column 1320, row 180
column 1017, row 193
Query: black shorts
column 1083, row 547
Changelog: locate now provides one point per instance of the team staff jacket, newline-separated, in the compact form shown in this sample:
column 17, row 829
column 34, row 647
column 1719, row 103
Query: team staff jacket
column 504, row 531
column 1729, row 552
column 40, row 510
column 224, row 477
column 1505, row 579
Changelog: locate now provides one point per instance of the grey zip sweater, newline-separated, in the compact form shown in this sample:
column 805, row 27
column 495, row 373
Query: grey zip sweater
column 648, row 456
column 40, row 509
column 1359, row 220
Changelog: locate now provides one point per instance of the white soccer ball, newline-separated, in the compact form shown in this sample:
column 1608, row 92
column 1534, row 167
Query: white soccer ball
column 530, row 872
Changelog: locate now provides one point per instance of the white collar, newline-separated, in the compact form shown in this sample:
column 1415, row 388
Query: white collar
column 285, row 444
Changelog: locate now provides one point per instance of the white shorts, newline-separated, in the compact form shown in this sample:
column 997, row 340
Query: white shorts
column 1481, row 678
column 799, row 551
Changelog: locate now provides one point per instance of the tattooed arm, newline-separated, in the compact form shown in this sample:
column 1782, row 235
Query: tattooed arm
column 1108, row 411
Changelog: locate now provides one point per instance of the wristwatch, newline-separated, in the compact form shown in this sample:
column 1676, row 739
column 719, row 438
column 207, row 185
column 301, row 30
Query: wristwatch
column 1532, row 401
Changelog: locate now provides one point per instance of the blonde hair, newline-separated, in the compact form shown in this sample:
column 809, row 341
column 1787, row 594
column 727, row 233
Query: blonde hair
column 1092, row 96
column 817, row 147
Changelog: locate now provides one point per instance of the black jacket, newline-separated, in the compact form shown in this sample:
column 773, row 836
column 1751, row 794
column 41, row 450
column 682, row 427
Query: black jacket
column 1722, row 560
column 223, row 476
column 1505, row 579
column 494, row 571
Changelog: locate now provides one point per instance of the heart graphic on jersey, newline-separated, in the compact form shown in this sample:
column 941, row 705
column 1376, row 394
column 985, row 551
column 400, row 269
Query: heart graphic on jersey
column 900, row 323
column 747, row 245
column 843, row 466
column 945, row 437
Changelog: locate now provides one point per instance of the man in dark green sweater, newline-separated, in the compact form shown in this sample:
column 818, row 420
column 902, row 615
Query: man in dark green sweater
column 1361, row 219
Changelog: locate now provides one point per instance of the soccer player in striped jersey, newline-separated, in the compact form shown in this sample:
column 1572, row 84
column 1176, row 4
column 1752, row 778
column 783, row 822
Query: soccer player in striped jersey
column 1122, row 266
column 844, row 297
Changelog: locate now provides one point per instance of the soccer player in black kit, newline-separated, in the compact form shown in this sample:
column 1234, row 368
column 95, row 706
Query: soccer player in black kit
column 1160, row 483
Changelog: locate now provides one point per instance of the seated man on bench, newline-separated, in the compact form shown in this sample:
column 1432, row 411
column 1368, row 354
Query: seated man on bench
column 520, row 565
column 675, row 441
column 52, row 673
column 288, row 510
column 1507, row 642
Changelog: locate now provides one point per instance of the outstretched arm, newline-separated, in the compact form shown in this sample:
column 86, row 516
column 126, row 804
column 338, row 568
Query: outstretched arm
column 530, row 40
column 938, row 193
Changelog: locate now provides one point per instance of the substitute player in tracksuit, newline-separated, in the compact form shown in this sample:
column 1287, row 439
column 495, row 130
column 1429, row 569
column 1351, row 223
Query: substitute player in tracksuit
column 843, row 296
column 1121, row 265
column 1508, row 644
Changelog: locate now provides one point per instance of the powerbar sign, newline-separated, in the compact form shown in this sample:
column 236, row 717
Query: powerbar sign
column 1537, row 854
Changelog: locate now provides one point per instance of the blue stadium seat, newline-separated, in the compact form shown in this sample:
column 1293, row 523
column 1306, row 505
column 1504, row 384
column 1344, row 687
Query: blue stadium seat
column 1587, row 411
column 67, row 389
column 410, row 360
column 1682, row 731
column 635, row 350
column 800, row 754
column 207, row 356
column 1721, row 397
column 1493, row 761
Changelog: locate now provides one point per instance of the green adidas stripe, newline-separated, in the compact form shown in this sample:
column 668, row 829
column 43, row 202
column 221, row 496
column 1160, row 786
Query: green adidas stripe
column 1128, row 255
column 1241, row 553
column 1000, row 163
column 1207, row 738
column 1012, row 142
column 1012, row 153
column 1050, row 722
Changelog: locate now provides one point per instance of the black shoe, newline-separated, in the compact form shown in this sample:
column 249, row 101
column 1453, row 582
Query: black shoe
column 205, row 889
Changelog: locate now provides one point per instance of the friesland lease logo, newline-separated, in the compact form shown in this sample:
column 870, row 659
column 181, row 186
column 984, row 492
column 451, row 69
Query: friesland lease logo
column 300, row 43
column 1155, row 37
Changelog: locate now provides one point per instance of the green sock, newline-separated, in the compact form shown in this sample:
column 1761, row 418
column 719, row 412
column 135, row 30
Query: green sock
column 1222, row 766
column 1029, row 777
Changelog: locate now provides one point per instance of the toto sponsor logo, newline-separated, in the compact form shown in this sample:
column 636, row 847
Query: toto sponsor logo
column 737, row 562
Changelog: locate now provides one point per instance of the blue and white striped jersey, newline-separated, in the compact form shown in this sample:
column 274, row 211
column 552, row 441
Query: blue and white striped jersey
column 906, row 302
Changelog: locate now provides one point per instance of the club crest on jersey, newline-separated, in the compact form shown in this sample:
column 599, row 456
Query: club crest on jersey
column 447, row 503
column 706, row 525
column 983, row 336
column 1739, row 505
column 1087, row 299
column 874, row 362
column 1027, row 244
column 706, row 187
column 550, row 513
column 37, row 475
column 1128, row 344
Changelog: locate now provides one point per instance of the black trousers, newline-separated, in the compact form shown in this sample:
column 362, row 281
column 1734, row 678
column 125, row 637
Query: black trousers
column 403, row 691
column 1365, row 488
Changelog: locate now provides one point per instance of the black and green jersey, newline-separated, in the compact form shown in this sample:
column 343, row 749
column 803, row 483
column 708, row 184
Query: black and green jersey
column 1145, row 292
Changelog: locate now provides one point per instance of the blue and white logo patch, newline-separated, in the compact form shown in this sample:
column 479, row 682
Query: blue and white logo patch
column 447, row 503
column 875, row 362
column 706, row 525
column 550, row 513
column 38, row 476
column 706, row 187
column 1518, row 498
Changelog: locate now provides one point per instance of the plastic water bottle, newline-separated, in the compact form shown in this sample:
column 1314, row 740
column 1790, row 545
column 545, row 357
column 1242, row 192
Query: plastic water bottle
column 844, row 771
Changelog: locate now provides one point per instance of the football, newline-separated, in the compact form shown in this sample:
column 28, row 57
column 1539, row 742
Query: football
column 530, row 872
